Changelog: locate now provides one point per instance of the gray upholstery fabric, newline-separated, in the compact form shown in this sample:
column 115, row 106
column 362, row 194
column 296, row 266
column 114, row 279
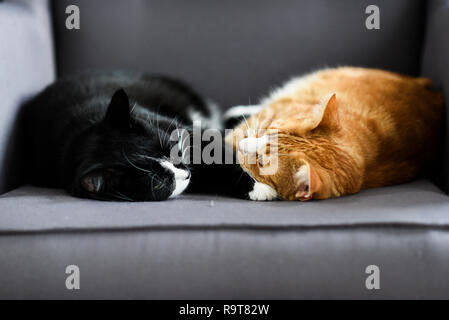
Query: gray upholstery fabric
column 200, row 247
column 225, row 264
column 235, row 51
column 34, row 209
column 435, row 65
column 190, row 248
column 26, row 66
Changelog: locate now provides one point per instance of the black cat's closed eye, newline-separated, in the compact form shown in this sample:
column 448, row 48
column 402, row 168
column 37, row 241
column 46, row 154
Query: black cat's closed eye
column 93, row 182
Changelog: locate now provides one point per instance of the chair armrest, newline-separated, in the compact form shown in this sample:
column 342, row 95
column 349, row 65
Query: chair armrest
column 27, row 65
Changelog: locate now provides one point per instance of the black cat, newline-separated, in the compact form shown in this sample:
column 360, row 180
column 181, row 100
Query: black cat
column 109, row 136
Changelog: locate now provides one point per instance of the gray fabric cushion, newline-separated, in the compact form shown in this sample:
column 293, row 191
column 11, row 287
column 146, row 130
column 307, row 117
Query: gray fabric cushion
column 236, row 51
column 228, row 264
column 36, row 209
column 26, row 64
column 190, row 248
column 435, row 64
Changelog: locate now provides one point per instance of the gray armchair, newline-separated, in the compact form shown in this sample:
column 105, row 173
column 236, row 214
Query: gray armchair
column 212, row 247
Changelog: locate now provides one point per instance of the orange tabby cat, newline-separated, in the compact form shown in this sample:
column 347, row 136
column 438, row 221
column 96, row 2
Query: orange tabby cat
column 338, row 131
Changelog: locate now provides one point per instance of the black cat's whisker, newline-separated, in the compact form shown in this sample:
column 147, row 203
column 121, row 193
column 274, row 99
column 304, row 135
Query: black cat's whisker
column 187, row 148
column 125, row 197
column 161, row 184
column 175, row 119
column 115, row 196
column 134, row 105
column 149, row 118
column 157, row 125
column 122, row 196
column 132, row 164
column 147, row 157
column 153, row 175
column 184, row 140
column 180, row 143
column 183, row 150
column 152, row 186
column 179, row 138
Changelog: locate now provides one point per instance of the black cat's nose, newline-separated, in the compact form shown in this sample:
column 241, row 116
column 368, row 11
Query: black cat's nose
column 179, row 174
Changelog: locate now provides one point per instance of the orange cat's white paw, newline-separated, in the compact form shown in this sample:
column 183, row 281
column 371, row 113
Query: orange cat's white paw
column 262, row 192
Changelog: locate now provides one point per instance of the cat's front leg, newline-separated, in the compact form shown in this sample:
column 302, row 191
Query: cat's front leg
column 262, row 192
column 245, row 187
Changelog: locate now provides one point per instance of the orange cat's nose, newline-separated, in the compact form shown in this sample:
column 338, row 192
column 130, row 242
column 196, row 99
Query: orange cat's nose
column 252, row 145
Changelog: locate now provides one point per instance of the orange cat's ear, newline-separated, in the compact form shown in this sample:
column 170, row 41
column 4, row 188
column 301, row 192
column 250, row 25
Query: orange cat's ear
column 330, row 118
column 306, row 182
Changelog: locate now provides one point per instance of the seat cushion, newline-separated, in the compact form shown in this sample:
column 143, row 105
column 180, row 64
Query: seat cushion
column 227, row 264
column 38, row 209
column 211, row 247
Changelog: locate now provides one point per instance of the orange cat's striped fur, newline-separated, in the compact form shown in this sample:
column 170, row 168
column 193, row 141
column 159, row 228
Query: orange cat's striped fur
column 341, row 130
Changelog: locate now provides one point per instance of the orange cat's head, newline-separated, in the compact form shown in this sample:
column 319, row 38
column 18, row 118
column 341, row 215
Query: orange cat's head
column 290, row 147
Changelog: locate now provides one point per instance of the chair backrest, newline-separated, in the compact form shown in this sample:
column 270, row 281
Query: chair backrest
column 235, row 51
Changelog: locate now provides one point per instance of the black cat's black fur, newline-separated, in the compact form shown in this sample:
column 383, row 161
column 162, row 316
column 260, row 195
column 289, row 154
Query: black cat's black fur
column 107, row 136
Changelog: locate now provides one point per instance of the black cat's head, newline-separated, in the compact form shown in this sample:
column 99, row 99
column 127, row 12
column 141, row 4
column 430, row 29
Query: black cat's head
column 126, row 157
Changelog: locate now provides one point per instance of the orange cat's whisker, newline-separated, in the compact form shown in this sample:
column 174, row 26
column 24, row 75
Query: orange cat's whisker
column 247, row 125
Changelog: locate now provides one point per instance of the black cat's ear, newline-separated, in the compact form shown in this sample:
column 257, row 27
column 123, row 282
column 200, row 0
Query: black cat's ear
column 117, row 115
column 93, row 182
